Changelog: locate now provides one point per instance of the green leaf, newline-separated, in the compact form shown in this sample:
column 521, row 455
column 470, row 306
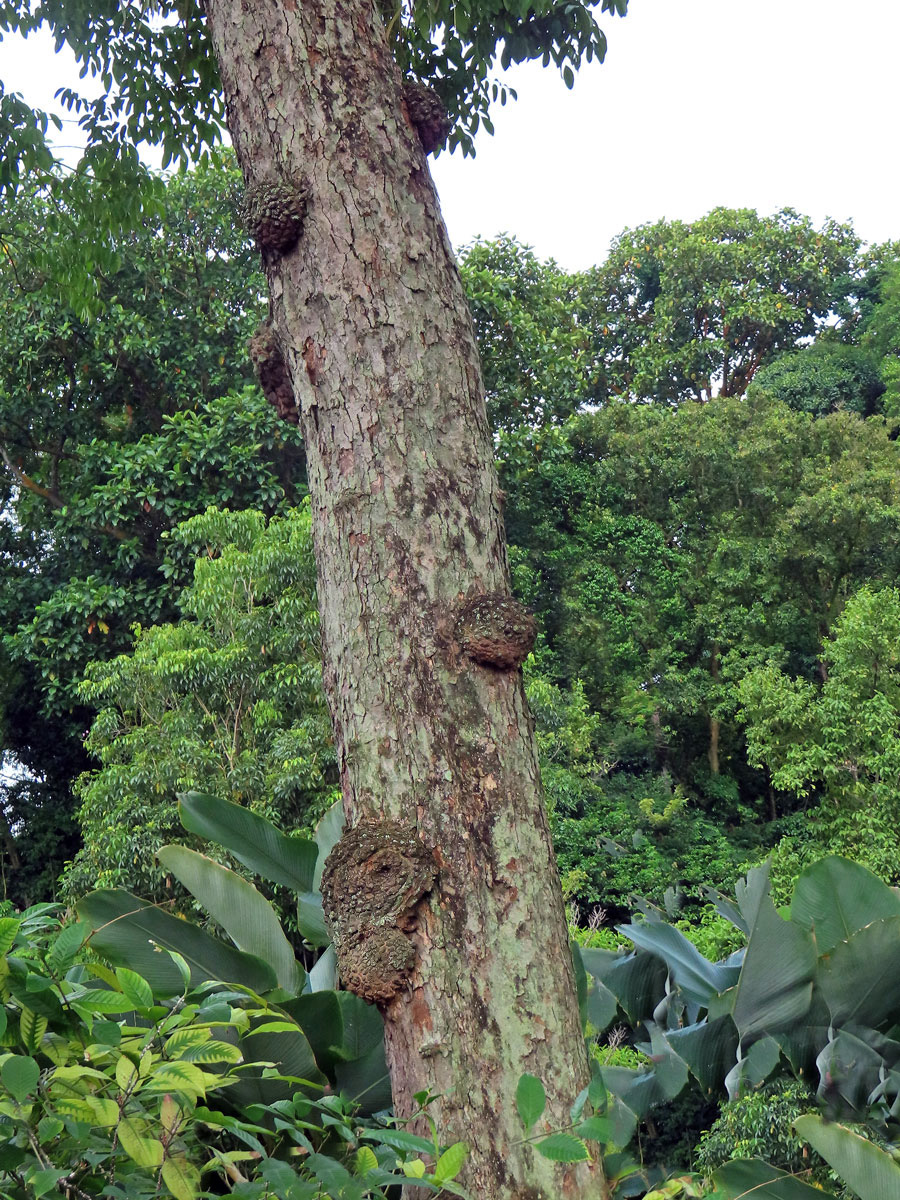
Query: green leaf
column 41, row 1182
column 858, row 980
column 531, row 1100
column 9, row 927
column 752, row 1179
column 863, row 1166
column 135, row 987
column 19, row 1076
column 138, row 1143
column 836, row 897
column 245, row 915
column 449, row 1165
column 563, row 1147
column 181, row 1177
column 365, row 1160
column 128, row 931
column 254, row 841
column 179, row 1077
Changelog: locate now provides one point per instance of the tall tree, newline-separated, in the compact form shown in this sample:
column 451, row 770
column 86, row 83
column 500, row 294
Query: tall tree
column 685, row 311
column 445, row 900
column 126, row 405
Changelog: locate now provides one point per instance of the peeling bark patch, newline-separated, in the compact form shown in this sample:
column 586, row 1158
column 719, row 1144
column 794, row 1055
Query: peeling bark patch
column 496, row 631
column 427, row 114
column 274, row 212
column 272, row 373
column 372, row 885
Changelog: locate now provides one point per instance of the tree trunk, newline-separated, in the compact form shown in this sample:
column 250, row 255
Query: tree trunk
column 433, row 743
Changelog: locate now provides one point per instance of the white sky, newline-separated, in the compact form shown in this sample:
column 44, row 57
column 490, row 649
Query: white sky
column 699, row 103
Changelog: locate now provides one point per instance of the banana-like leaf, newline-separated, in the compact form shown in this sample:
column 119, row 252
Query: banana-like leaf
column 696, row 976
column 836, row 897
column 708, row 1048
column 135, row 933
column 311, row 919
column 637, row 980
column 775, row 985
column 851, row 1070
column 865, row 1167
column 327, row 835
column 320, row 1017
column 752, row 1070
column 244, row 913
column 752, row 1179
column 252, row 840
column 860, row 979
column 288, row 1049
column 324, row 974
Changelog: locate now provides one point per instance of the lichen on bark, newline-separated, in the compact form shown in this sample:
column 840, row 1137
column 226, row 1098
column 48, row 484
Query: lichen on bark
column 374, row 880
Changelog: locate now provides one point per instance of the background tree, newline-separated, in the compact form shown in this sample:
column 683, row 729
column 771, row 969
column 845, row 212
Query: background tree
column 226, row 700
column 683, row 311
column 838, row 736
column 123, row 409
column 536, row 354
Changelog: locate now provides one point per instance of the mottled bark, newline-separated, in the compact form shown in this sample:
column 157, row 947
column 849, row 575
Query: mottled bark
column 374, row 328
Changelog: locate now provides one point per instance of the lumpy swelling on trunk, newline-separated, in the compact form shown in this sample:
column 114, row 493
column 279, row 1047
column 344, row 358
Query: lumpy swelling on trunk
column 375, row 879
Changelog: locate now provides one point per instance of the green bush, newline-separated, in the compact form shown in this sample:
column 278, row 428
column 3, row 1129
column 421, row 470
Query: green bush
column 106, row 1090
column 758, row 1125
column 646, row 858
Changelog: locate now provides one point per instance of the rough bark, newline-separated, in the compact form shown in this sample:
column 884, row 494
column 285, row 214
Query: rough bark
column 373, row 325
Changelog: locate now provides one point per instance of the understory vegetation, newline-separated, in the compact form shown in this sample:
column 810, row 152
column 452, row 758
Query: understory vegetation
column 697, row 442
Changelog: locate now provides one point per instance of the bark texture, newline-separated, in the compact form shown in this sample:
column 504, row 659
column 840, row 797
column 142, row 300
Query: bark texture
column 373, row 325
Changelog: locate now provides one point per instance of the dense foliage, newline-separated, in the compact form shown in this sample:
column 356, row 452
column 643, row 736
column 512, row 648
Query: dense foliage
column 120, row 415
column 227, row 699
column 697, row 442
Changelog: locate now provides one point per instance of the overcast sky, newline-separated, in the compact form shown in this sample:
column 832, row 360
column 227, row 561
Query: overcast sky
column 699, row 103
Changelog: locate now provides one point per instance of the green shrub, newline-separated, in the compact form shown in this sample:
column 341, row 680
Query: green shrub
column 119, row 1094
column 758, row 1125
column 645, row 858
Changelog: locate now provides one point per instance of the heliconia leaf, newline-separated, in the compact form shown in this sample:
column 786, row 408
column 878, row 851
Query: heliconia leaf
column 531, row 1100
column 243, row 912
column 752, row 1179
column 131, row 932
column 863, row 1166
column 252, row 840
